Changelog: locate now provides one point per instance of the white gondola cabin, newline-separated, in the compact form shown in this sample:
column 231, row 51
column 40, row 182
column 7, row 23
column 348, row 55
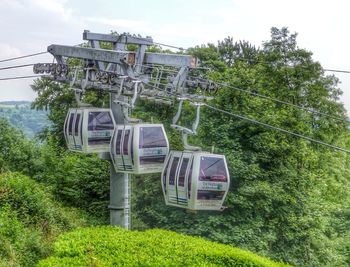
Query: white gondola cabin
column 195, row 180
column 139, row 148
column 89, row 130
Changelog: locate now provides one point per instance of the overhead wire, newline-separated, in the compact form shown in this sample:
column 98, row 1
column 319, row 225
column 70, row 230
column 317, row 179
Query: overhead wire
column 242, row 59
column 271, row 126
column 232, row 87
column 261, row 62
column 333, row 70
column 253, row 93
column 225, row 112
column 17, row 66
column 20, row 66
column 274, row 127
column 21, row 77
column 280, row 101
column 171, row 46
column 278, row 129
column 215, row 108
column 25, row 56
column 18, row 77
column 284, row 102
column 161, row 44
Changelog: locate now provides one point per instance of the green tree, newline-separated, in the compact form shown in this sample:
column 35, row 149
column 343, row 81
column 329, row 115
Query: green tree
column 16, row 152
column 57, row 98
column 231, row 51
column 274, row 206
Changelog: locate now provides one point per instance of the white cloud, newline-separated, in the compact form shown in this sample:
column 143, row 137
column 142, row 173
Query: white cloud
column 54, row 6
column 8, row 51
column 127, row 24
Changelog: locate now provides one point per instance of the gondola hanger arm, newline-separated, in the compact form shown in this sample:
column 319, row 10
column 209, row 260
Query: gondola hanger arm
column 72, row 82
column 178, row 113
column 186, row 131
column 85, row 81
column 77, row 93
column 124, row 105
column 121, row 86
column 131, row 105
column 196, row 122
column 184, row 136
column 177, row 116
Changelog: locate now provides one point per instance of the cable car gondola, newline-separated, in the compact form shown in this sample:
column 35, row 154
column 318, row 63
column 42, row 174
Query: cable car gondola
column 195, row 180
column 139, row 148
column 89, row 130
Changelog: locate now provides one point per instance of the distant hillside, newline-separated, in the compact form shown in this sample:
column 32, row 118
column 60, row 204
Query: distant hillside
column 21, row 116
column 13, row 103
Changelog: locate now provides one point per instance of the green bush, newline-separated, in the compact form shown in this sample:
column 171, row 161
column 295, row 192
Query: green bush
column 30, row 220
column 77, row 180
column 110, row 246
column 16, row 152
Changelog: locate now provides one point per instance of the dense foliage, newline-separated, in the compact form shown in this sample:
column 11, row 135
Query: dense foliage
column 76, row 180
column 61, row 171
column 108, row 246
column 34, row 211
column 288, row 199
column 30, row 220
column 16, row 152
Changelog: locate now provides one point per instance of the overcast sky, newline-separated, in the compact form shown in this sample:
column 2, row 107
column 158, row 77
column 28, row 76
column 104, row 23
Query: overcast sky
column 29, row 26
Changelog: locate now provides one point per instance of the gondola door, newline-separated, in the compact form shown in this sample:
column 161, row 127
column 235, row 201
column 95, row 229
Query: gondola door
column 165, row 176
column 77, row 131
column 69, row 129
column 182, row 179
column 171, row 188
column 116, row 148
column 127, row 148
column 65, row 128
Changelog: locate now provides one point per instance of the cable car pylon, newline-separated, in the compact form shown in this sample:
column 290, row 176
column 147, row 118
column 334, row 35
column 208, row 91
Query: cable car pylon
column 136, row 147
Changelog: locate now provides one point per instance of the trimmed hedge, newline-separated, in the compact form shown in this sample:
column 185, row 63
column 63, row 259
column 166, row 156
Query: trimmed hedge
column 112, row 246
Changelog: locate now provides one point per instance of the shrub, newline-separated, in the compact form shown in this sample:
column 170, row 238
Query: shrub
column 29, row 220
column 16, row 153
column 111, row 246
column 77, row 180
